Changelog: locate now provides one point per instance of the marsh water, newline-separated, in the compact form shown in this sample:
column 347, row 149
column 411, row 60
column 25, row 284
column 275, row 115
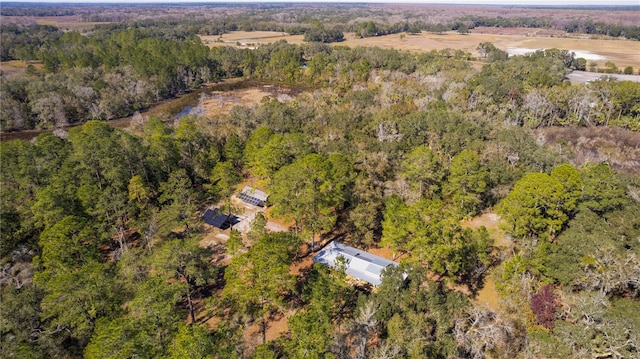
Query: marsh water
column 184, row 104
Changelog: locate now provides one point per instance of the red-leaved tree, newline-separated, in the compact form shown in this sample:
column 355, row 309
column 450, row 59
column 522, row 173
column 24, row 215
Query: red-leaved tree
column 543, row 305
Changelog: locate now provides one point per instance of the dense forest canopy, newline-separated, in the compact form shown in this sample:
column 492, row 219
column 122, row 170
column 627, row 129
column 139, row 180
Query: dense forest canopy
column 104, row 251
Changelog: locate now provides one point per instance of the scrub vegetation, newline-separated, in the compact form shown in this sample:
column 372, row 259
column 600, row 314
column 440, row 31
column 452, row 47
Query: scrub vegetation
column 390, row 151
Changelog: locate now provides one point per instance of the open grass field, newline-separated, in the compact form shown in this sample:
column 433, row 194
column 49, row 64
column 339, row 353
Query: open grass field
column 621, row 52
column 248, row 39
column 15, row 68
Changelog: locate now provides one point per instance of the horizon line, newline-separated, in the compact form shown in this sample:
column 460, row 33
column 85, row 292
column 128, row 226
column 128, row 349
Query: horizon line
column 513, row 3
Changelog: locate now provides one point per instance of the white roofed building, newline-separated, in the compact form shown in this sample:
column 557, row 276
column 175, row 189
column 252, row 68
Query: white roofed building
column 358, row 264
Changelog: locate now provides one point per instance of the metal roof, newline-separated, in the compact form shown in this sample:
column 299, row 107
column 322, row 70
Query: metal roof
column 359, row 264
column 253, row 196
column 214, row 218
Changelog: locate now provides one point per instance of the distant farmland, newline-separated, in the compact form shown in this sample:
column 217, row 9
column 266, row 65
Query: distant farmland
column 598, row 50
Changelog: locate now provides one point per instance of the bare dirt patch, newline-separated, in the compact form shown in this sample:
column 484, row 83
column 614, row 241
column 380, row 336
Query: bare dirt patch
column 386, row 253
column 491, row 221
column 220, row 102
column 277, row 324
column 488, row 295
column 302, row 265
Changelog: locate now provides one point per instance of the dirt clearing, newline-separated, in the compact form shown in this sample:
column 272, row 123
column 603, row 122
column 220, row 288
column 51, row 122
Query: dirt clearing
column 488, row 296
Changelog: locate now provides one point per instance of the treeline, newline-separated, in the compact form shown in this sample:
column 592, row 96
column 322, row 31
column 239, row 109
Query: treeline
column 600, row 28
column 22, row 42
column 532, row 22
column 320, row 34
column 583, row 26
column 18, row 9
column 102, row 78
column 468, row 23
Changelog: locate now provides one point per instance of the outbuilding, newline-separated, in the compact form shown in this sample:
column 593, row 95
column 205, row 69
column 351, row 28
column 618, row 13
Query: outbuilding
column 253, row 196
column 214, row 217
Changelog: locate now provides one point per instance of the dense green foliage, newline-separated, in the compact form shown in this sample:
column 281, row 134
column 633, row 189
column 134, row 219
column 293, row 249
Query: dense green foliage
column 101, row 228
column 22, row 42
column 320, row 34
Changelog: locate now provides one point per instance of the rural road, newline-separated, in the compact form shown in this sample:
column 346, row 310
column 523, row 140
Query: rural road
column 582, row 77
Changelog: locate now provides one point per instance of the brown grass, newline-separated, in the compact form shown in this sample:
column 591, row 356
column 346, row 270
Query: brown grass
column 248, row 39
column 16, row 68
column 220, row 102
column 621, row 52
column 491, row 221
column 522, row 31
column 488, row 296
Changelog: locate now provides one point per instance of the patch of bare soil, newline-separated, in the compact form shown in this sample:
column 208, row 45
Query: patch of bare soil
column 491, row 221
column 17, row 68
column 215, row 239
column 303, row 265
column 386, row 253
column 618, row 147
column 277, row 325
column 488, row 295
